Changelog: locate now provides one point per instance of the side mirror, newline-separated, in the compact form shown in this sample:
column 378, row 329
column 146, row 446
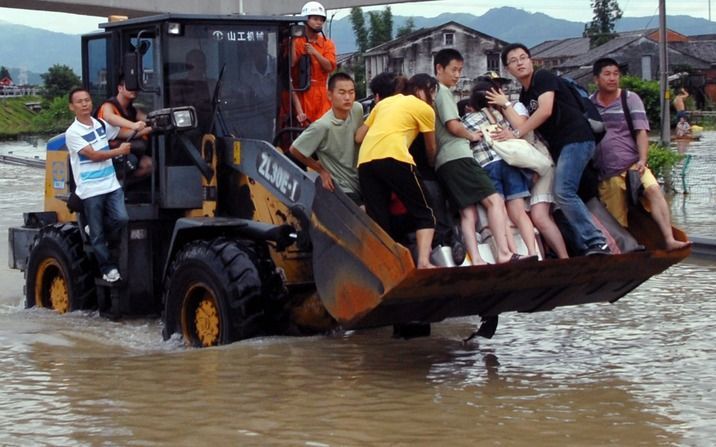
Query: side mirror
column 131, row 70
column 303, row 82
column 135, row 75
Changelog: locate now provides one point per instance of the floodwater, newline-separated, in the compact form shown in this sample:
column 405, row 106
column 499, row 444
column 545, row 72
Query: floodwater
column 693, row 206
column 641, row 371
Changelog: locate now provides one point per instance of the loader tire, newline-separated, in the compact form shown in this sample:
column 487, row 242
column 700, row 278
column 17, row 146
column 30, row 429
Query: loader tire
column 213, row 294
column 59, row 275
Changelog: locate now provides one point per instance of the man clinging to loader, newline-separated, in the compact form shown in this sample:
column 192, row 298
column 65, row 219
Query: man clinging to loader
column 95, row 178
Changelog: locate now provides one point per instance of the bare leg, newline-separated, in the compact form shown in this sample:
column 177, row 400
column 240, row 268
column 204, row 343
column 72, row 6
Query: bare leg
column 511, row 244
column 660, row 213
column 542, row 219
column 497, row 221
column 424, row 239
column 468, row 219
column 518, row 215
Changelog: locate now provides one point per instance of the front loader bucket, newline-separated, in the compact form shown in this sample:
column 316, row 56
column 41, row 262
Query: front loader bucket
column 365, row 279
column 354, row 261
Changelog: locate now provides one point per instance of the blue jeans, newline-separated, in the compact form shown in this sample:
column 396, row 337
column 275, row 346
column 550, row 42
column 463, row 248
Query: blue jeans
column 571, row 163
column 106, row 216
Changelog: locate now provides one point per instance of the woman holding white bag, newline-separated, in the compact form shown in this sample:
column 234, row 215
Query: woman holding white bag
column 542, row 198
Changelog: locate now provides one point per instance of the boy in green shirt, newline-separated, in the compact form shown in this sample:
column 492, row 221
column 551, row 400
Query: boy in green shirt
column 332, row 139
column 467, row 183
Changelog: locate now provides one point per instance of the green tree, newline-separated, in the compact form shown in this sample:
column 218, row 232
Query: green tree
column 601, row 29
column 59, row 80
column 407, row 28
column 381, row 26
column 4, row 72
column 359, row 29
column 380, row 31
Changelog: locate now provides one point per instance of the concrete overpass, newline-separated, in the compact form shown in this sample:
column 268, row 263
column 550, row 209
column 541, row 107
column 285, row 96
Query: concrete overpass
column 136, row 8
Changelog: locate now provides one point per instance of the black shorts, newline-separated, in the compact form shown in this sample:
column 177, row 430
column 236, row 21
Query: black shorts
column 466, row 182
column 379, row 178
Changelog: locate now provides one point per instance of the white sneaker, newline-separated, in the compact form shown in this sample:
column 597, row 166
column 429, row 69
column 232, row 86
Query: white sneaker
column 112, row 276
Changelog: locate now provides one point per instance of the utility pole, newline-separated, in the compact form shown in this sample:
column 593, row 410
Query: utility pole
column 663, row 78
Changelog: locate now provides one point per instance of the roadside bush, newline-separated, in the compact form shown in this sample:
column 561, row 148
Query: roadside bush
column 661, row 161
column 649, row 93
column 55, row 117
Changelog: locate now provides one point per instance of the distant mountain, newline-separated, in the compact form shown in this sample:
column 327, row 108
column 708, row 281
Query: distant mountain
column 517, row 25
column 36, row 50
column 29, row 51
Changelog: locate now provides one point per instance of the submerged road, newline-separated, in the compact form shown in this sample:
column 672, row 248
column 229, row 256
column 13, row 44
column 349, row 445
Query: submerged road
column 641, row 371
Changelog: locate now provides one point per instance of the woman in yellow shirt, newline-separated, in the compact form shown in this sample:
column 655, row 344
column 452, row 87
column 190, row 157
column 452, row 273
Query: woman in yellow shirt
column 385, row 165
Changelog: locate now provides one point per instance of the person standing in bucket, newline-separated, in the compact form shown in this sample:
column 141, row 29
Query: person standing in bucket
column 556, row 115
column 332, row 139
column 385, row 165
column 97, row 185
column 312, row 103
column 466, row 182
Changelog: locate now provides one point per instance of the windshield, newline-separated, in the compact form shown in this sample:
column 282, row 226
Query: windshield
column 249, row 91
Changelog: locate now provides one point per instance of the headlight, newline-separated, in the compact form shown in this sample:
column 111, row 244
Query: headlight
column 177, row 118
column 184, row 118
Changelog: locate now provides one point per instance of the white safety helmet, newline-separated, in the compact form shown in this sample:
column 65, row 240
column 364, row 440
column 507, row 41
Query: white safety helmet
column 313, row 9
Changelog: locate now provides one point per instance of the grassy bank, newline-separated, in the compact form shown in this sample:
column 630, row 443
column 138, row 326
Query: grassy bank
column 15, row 118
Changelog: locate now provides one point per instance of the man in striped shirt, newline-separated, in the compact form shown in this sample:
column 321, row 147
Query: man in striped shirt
column 620, row 150
column 96, row 182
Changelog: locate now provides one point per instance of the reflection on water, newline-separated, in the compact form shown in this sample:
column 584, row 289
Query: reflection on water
column 639, row 372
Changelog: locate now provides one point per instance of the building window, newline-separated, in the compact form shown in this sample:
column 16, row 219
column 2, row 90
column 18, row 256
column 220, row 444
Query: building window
column 449, row 38
column 396, row 64
column 493, row 62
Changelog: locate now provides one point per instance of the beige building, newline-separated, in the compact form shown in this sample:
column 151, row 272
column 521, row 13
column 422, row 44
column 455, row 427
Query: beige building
column 413, row 53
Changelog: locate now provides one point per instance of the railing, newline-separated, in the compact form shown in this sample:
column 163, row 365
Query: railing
column 22, row 161
column 12, row 92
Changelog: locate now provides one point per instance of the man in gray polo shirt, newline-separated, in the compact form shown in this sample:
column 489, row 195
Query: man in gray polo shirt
column 331, row 138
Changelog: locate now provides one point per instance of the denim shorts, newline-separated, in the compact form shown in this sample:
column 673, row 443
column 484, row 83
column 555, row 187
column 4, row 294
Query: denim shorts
column 509, row 181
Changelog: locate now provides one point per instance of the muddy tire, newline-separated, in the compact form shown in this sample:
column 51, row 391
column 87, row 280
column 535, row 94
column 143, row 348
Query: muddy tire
column 213, row 294
column 59, row 275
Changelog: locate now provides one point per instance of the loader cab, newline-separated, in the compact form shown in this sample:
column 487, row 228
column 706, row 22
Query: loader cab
column 233, row 70
column 178, row 60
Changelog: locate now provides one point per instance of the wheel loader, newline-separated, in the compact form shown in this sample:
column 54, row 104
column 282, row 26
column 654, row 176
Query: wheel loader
column 229, row 239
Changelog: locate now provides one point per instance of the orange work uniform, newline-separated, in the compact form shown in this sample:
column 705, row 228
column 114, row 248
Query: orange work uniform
column 314, row 101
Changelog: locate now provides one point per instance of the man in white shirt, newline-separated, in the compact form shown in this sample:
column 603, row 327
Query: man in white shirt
column 96, row 182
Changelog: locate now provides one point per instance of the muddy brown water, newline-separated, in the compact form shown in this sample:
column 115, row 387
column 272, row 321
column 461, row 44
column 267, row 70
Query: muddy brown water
column 641, row 371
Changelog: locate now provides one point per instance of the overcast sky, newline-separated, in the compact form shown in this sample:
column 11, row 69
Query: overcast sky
column 578, row 10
